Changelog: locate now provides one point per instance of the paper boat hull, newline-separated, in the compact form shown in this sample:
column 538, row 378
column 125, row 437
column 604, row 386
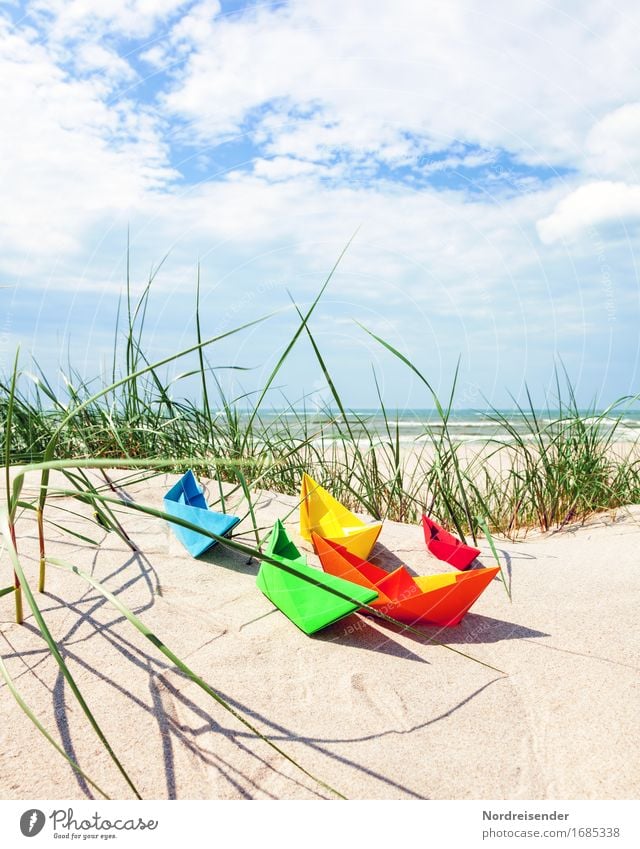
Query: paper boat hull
column 185, row 500
column 446, row 547
column 310, row 604
column 434, row 599
column 320, row 513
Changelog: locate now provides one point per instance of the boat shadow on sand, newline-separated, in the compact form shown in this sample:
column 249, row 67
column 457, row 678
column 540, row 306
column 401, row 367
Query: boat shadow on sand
column 184, row 725
column 476, row 629
column 227, row 558
column 372, row 633
column 386, row 559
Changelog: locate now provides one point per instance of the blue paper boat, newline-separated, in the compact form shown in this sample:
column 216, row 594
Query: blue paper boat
column 185, row 500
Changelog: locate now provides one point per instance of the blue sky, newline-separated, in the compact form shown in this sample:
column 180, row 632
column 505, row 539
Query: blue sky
column 488, row 156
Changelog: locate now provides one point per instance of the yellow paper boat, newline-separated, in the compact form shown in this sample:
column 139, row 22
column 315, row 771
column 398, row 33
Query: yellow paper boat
column 326, row 517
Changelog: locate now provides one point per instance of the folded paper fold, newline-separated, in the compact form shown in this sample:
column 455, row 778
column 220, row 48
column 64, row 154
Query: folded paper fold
column 185, row 500
column 433, row 599
column 446, row 547
column 320, row 513
column 311, row 599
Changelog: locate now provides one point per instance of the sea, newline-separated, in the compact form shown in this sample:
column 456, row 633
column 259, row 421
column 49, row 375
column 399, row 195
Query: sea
column 470, row 426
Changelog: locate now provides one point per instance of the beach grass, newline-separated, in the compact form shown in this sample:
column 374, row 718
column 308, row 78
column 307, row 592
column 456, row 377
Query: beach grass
column 557, row 466
column 561, row 468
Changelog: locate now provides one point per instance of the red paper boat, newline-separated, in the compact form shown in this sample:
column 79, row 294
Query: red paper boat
column 432, row 599
column 445, row 546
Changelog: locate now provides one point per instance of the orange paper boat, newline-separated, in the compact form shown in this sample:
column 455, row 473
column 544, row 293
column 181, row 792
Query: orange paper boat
column 430, row 599
column 320, row 513
column 445, row 546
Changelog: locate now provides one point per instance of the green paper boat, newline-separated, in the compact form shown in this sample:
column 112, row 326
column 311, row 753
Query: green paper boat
column 311, row 605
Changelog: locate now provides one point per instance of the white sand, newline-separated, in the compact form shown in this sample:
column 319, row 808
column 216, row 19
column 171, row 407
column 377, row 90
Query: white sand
column 375, row 713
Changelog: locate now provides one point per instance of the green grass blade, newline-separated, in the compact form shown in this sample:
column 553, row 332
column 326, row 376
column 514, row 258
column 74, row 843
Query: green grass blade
column 444, row 416
column 296, row 335
column 73, row 533
column 157, row 642
column 203, row 383
column 11, row 503
column 7, row 436
column 36, row 722
column 48, row 453
column 485, row 530
column 258, row 555
column 249, row 500
column 53, row 648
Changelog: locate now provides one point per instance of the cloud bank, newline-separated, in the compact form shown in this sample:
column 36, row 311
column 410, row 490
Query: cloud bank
column 487, row 153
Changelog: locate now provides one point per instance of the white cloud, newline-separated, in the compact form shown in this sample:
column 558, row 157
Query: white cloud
column 326, row 92
column 68, row 158
column 527, row 79
column 66, row 19
column 282, row 168
column 612, row 151
column 595, row 203
column 612, row 144
column 92, row 58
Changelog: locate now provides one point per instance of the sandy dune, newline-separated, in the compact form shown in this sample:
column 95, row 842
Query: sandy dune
column 374, row 712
